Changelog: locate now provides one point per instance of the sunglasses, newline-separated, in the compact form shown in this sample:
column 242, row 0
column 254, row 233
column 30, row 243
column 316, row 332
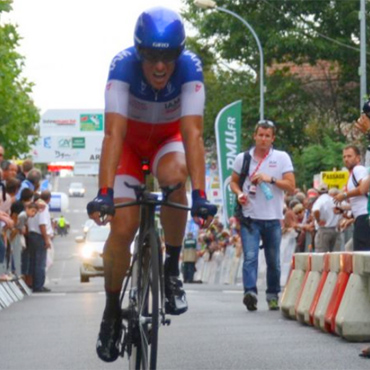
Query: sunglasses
column 266, row 123
column 159, row 55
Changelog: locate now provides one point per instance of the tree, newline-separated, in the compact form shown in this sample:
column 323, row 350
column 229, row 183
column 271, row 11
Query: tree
column 18, row 114
column 308, row 108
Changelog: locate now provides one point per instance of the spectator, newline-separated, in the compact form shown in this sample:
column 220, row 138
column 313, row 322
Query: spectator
column 32, row 182
column 262, row 217
column 363, row 124
column 357, row 200
column 46, row 197
column 38, row 243
column 1, row 154
column 189, row 258
column 12, row 187
column 25, row 168
column 327, row 238
column 26, row 196
column 9, row 170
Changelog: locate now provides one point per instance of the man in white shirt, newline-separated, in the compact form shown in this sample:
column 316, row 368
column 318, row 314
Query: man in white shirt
column 38, row 243
column 356, row 198
column 327, row 238
column 261, row 216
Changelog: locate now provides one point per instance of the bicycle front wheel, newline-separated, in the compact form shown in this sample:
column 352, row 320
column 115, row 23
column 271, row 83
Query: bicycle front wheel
column 145, row 348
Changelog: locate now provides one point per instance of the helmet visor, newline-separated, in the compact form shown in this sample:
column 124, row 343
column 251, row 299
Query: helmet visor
column 159, row 55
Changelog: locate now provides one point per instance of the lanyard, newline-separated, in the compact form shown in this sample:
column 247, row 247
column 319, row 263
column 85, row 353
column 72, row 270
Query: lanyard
column 259, row 165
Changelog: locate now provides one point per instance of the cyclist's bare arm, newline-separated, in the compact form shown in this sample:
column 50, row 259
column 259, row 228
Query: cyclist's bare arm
column 192, row 134
column 115, row 132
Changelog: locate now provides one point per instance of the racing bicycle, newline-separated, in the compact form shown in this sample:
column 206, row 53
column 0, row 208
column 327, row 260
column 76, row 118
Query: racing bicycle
column 142, row 297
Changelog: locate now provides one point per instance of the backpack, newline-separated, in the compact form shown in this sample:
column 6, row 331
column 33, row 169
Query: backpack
column 238, row 213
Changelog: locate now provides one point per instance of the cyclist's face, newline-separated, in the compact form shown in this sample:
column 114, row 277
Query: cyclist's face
column 158, row 73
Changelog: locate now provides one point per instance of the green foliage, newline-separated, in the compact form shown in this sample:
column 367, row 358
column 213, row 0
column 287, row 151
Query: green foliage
column 308, row 113
column 18, row 113
column 315, row 158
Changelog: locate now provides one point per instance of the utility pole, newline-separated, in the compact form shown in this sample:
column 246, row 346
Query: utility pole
column 363, row 82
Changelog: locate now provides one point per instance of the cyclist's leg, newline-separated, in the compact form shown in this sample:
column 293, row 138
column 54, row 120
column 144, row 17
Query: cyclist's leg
column 116, row 255
column 169, row 167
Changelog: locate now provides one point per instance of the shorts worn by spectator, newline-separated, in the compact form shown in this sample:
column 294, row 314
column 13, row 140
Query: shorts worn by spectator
column 262, row 217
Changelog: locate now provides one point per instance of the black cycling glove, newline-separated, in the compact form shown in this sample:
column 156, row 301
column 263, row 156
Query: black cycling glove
column 103, row 203
column 201, row 207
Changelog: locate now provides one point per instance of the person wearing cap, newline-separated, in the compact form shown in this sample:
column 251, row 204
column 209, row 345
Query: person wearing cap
column 271, row 169
column 154, row 105
column 327, row 238
column 357, row 198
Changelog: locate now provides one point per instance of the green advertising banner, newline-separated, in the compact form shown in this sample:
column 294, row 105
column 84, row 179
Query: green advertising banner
column 228, row 138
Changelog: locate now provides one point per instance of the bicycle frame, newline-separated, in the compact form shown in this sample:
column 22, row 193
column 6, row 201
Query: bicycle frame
column 145, row 312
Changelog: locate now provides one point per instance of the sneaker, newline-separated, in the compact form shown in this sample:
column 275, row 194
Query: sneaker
column 250, row 301
column 107, row 345
column 273, row 304
column 176, row 303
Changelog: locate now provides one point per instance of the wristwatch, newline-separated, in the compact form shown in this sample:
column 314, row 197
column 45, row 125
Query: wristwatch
column 273, row 180
column 345, row 194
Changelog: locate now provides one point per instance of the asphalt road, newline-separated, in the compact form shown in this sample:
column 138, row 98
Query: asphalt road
column 58, row 330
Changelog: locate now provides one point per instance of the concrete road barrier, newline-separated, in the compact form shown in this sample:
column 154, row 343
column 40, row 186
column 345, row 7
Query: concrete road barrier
column 325, row 296
column 340, row 286
column 294, row 284
column 352, row 321
column 320, row 287
column 310, row 288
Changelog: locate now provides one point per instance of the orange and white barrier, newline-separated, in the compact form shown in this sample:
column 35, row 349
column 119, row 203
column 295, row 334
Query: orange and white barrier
column 327, row 291
column 332, row 292
column 293, row 288
column 310, row 287
column 353, row 317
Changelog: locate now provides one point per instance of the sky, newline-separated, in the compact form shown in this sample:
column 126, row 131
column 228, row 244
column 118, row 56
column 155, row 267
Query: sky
column 68, row 46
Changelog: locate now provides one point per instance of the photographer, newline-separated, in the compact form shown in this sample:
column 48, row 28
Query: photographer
column 363, row 124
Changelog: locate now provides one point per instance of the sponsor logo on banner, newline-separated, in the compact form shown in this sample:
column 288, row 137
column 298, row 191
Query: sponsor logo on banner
column 47, row 142
column 228, row 138
column 78, row 143
column 64, row 143
column 91, row 122
column 59, row 122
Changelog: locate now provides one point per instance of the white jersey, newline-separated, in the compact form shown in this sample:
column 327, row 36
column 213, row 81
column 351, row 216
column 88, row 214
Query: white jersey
column 359, row 203
column 276, row 164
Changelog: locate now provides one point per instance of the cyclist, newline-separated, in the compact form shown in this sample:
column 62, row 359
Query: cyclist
column 154, row 102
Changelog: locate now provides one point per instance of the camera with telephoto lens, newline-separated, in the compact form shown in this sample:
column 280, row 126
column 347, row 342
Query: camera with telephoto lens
column 366, row 108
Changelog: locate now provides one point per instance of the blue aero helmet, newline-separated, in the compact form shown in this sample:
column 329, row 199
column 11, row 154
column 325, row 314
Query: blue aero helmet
column 159, row 35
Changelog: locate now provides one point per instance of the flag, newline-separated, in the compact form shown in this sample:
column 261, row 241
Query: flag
column 228, row 138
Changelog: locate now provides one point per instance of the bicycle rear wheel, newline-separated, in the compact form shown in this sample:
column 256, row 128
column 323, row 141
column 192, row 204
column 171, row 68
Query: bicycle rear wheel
column 146, row 281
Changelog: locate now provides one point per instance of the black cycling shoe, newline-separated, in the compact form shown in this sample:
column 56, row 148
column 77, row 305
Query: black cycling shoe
column 176, row 303
column 108, row 339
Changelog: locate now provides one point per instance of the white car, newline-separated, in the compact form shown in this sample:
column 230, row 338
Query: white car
column 91, row 252
column 76, row 189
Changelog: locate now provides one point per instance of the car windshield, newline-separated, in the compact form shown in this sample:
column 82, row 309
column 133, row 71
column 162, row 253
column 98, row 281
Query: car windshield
column 98, row 234
column 76, row 185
